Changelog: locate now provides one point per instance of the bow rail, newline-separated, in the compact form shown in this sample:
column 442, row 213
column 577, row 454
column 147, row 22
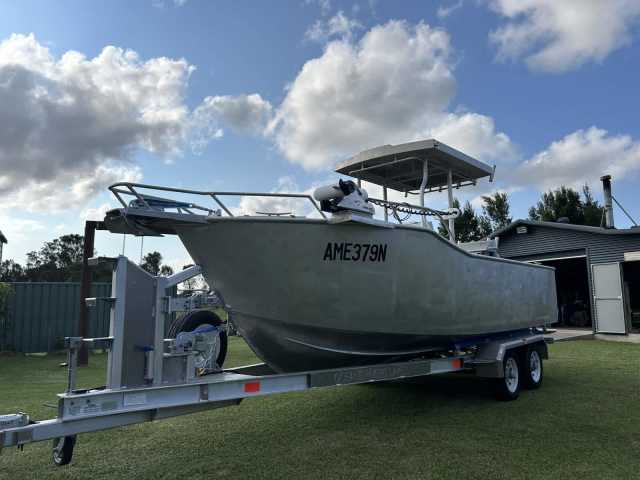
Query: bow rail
column 123, row 189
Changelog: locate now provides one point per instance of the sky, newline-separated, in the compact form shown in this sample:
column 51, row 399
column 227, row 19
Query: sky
column 270, row 96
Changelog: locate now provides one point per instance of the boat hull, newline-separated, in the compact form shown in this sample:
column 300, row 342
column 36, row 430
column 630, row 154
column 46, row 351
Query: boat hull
column 305, row 295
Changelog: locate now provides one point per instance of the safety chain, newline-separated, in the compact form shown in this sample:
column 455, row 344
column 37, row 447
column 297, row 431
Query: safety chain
column 406, row 208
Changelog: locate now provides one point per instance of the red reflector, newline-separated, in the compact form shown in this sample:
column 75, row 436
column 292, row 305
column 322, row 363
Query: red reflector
column 252, row 387
column 456, row 363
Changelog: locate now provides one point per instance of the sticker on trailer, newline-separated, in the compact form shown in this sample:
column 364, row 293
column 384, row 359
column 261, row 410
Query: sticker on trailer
column 131, row 399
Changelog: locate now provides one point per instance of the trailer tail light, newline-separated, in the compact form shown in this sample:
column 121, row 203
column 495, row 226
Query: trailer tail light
column 252, row 387
column 456, row 363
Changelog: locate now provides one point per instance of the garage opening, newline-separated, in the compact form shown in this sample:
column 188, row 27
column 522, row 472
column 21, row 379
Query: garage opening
column 631, row 282
column 572, row 289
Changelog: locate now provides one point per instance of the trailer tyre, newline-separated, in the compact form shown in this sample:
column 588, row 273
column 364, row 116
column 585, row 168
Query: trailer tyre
column 507, row 388
column 63, row 449
column 197, row 318
column 532, row 369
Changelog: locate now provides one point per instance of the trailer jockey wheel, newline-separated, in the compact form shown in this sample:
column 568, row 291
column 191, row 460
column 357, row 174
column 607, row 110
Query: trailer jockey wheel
column 199, row 319
column 63, row 449
column 532, row 369
column 508, row 387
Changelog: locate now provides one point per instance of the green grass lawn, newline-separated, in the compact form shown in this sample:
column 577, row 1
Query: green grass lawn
column 583, row 423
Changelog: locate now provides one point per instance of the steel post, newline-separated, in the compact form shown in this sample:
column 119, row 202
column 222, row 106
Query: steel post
column 85, row 289
column 452, row 225
column 384, row 196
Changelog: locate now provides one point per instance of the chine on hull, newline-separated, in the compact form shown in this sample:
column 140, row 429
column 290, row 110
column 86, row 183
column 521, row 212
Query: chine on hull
column 309, row 294
column 289, row 348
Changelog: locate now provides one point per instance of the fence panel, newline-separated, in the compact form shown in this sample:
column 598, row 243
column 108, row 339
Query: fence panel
column 41, row 314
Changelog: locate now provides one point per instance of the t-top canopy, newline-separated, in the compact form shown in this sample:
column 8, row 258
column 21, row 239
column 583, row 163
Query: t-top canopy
column 400, row 167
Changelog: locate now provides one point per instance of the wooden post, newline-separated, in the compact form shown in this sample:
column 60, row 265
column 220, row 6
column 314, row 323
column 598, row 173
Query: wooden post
column 85, row 289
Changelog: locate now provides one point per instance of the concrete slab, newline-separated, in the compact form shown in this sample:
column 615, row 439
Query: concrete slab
column 566, row 334
column 611, row 337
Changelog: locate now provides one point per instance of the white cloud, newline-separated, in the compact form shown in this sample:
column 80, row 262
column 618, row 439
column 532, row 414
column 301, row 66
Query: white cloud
column 443, row 12
column 557, row 36
column 68, row 190
column 337, row 26
column 582, row 156
column 325, row 5
column 475, row 135
column 393, row 85
column 373, row 90
column 243, row 113
column 20, row 233
column 17, row 228
column 294, row 206
column 70, row 124
column 96, row 213
column 161, row 4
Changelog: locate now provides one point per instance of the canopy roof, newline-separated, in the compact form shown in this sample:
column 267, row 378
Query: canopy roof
column 400, row 167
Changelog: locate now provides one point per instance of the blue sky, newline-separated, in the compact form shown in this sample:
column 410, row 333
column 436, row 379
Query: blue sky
column 277, row 92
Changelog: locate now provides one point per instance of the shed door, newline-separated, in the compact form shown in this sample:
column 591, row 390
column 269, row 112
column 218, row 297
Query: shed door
column 607, row 296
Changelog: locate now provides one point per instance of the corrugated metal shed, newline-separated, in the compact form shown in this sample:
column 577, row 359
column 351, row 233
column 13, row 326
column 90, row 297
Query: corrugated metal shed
column 528, row 240
column 538, row 239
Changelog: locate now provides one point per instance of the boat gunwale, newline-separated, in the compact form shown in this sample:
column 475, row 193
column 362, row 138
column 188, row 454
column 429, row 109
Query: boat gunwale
column 320, row 221
column 203, row 221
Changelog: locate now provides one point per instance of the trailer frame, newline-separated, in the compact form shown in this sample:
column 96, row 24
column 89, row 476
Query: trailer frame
column 168, row 386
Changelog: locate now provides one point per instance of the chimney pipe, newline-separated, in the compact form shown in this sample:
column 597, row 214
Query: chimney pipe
column 608, row 202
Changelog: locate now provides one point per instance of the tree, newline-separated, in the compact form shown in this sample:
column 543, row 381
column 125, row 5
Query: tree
column 59, row 260
column 152, row 263
column 11, row 271
column 495, row 210
column 467, row 225
column 556, row 204
column 566, row 202
column 593, row 211
column 166, row 270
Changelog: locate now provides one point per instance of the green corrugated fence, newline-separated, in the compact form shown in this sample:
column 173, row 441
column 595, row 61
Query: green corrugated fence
column 40, row 314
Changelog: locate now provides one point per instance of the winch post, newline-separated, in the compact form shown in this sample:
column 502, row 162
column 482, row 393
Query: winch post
column 162, row 314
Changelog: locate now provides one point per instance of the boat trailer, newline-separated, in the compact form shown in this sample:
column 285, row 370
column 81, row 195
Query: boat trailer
column 150, row 377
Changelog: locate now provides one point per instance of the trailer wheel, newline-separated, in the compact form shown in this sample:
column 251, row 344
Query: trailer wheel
column 508, row 387
column 63, row 449
column 195, row 319
column 532, row 369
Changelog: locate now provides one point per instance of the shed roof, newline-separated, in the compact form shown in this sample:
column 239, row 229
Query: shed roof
column 3, row 239
column 566, row 226
column 399, row 167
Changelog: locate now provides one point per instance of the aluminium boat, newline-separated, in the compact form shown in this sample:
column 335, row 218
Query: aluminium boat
column 347, row 286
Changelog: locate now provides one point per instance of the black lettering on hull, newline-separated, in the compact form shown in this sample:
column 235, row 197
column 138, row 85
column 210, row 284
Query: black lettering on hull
column 355, row 252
